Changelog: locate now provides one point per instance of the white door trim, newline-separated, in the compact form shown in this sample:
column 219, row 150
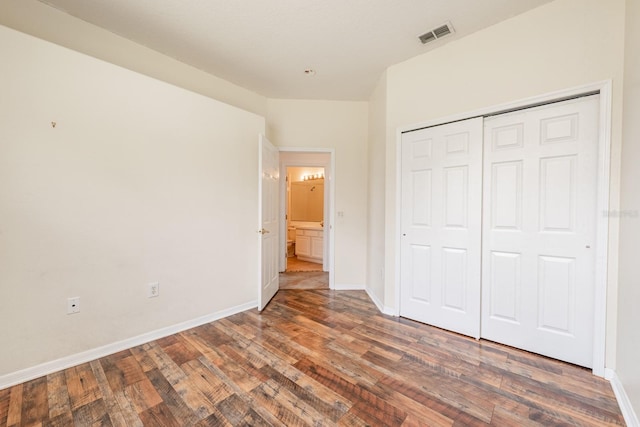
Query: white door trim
column 604, row 88
column 329, row 231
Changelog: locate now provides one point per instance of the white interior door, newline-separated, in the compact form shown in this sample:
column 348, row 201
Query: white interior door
column 269, row 177
column 540, row 184
column 441, row 226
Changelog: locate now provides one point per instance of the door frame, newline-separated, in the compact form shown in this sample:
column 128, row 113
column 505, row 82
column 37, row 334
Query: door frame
column 329, row 211
column 604, row 89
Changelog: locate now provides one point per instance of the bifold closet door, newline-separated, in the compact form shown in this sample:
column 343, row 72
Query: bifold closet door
column 441, row 226
column 539, row 222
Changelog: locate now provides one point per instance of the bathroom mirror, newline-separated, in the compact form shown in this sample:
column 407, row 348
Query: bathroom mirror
column 307, row 200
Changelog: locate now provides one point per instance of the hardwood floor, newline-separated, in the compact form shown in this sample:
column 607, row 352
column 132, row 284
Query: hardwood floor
column 315, row 358
column 304, row 280
column 297, row 265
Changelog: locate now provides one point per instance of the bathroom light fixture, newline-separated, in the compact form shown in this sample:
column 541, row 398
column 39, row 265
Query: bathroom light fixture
column 313, row 176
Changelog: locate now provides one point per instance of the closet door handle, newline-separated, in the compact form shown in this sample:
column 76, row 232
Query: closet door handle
column 264, row 231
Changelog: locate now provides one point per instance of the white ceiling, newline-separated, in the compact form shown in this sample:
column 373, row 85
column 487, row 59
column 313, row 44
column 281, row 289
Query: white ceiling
column 265, row 45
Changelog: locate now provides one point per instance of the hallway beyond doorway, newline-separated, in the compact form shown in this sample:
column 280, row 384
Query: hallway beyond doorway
column 296, row 265
column 304, row 280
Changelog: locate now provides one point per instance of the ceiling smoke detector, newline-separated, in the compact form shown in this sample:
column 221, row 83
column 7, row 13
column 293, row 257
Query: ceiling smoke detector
column 437, row 33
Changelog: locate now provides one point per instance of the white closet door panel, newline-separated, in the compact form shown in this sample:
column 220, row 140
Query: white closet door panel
column 506, row 205
column 540, row 176
column 441, row 226
column 505, row 282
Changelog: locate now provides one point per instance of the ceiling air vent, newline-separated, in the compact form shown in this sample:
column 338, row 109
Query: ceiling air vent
column 436, row 33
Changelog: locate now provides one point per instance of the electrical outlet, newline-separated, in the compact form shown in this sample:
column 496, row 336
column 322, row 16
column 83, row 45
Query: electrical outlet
column 73, row 305
column 154, row 290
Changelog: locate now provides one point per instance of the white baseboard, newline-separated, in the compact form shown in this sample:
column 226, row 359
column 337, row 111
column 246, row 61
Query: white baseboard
column 628, row 412
column 389, row 311
column 384, row 310
column 348, row 287
column 46, row 368
column 375, row 300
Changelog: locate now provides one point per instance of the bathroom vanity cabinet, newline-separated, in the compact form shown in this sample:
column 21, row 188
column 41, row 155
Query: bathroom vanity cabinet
column 309, row 244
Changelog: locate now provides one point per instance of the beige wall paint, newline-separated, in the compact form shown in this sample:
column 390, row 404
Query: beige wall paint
column 35, row 18
column 139, row 181
column 376, row 191
column 341, row 125
column 628, row 368
column 550, row 48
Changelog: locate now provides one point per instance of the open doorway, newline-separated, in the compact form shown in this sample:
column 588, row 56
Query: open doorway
column 306, row 217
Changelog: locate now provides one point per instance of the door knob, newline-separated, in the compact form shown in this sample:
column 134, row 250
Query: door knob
column 264, row 231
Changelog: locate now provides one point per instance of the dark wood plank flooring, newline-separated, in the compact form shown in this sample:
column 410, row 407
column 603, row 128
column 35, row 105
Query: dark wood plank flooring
column 315, row 358
column 304, row 280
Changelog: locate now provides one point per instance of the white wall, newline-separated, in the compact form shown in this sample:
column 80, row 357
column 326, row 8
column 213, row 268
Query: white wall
column 559, row 45
column 628, row 355
column 139, row 181
column 38, row 19
column 341, row 125
column 376, row 192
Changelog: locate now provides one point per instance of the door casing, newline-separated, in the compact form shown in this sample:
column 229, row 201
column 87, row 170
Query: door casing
column 329, row 215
